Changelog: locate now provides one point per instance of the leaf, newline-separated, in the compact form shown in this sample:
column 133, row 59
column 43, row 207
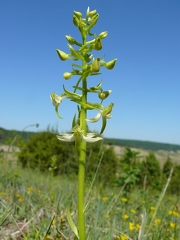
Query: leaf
column 71, row 222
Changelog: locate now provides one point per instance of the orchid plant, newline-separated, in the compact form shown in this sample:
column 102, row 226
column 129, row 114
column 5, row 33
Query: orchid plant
column 90, row 66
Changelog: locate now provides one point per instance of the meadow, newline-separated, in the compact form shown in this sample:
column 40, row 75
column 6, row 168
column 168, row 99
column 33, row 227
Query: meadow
column 33, row 205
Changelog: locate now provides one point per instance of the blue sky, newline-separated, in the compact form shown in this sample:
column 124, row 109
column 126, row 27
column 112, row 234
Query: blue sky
column 143, row 35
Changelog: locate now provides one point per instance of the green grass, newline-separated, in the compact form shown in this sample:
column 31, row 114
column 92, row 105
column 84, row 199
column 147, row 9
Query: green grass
column 32, row 206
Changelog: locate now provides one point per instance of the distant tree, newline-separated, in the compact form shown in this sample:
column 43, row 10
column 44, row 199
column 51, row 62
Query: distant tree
column 167, row 167
column 129, row 169
column 150, row 168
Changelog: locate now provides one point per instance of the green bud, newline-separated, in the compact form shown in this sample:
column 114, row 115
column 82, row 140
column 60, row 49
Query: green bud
column 92, row 13
column 75, row 53
column 67, row 75
column 70, row 39
column 78, row 14
column 62, row 55
column 103, row 35
column 98, row 44
column 75, row 21
column 88, row 57
column 95, row 67
column 110, row 65
column 93, row 21
column 104, row 95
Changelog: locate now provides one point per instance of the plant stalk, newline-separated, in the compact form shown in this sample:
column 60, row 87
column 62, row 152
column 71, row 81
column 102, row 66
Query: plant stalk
column 81, row 173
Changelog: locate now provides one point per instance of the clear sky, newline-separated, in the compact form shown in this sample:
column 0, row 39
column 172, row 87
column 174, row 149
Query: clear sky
column 145, row 83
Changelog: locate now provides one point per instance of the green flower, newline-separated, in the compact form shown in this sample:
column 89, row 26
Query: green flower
column 105, row 113
column 56, row 100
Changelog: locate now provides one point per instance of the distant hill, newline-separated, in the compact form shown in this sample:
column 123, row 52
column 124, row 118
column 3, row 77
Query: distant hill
column 146, row 145
column 6, row 135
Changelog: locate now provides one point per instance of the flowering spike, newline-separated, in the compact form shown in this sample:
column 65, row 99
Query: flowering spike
column 86, row 66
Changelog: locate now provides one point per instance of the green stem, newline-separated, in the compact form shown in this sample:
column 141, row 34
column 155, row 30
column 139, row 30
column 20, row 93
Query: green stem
column 82, row 156
column 81, row 176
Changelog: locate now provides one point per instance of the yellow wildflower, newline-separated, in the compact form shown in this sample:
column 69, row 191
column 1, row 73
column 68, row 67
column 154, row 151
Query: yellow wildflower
column 133, row 211
column 157, row 221
column 174, row 213
column 131, row 226
column 138, row 226
column 124, row 237
column 125, row 216
column 124, row 199
column 29, row 190
column 105, row 199
column 152, row 208
column 172, row 225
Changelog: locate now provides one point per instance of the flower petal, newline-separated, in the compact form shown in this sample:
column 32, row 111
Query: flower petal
column 95, row 119
column 91, row 140
column 66, row 137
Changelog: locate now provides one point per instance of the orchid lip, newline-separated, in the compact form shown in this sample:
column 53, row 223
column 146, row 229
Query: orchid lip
column 91, row 137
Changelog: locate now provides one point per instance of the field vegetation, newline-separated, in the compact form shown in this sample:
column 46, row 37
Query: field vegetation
column 128, row 196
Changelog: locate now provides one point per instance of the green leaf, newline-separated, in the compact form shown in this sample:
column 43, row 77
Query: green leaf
column 71, row 222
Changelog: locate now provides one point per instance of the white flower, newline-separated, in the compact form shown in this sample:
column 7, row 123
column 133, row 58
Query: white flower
column 105, row 114
column 56, row 100
column 77, row 135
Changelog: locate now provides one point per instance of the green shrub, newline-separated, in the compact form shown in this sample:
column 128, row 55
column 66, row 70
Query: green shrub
column 40, row 149
column 129, row 169
column 168, row 165
column 174, row 186
column 45, row 152
column 151, row 171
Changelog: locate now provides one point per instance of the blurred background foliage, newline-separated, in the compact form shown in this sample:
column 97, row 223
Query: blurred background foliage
column 43, row 151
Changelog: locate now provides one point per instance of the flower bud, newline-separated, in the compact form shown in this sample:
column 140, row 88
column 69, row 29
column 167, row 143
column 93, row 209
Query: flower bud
column 95, row 67
column 75, row 53
column 67, row 75
column 78, row 14
column 103, row 35
column 93, row 21
column 75, row 21
column 110, row 65
column 88, row 57
column 92, row 13
column 62, row 55
column 98, row 44
column 70, row 39
column 104, row 95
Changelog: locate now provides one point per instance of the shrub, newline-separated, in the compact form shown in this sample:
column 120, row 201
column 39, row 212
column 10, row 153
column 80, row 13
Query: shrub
column 129, row 169
column 45, row 152
column 150, row 169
